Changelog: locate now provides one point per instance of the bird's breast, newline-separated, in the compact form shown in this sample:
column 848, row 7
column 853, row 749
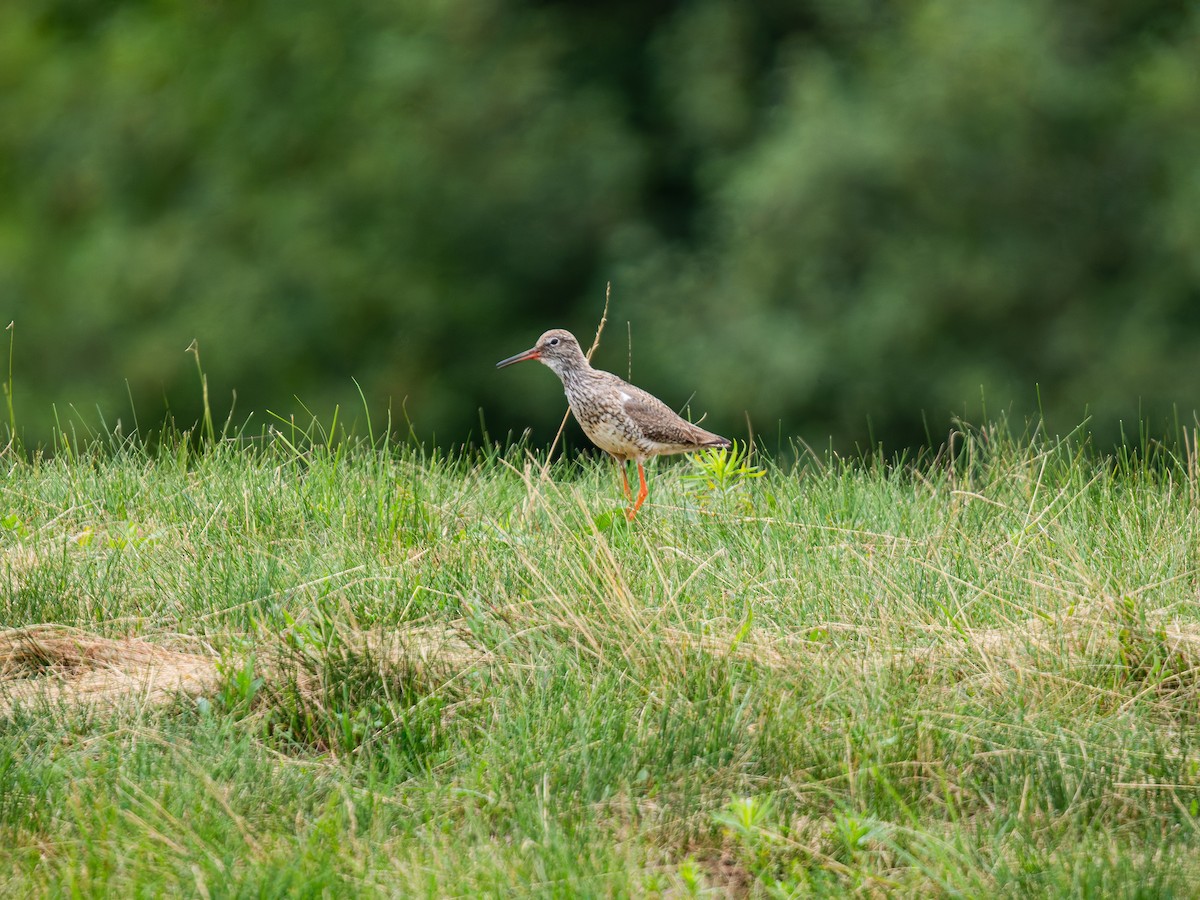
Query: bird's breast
column 607, row 426
column 613, row 436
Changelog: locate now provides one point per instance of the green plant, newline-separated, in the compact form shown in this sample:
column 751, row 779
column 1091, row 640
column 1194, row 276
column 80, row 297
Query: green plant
column 721, row 473
column 239, row 686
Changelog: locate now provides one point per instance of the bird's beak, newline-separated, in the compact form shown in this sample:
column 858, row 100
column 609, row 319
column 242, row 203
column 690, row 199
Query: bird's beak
column 531, row 353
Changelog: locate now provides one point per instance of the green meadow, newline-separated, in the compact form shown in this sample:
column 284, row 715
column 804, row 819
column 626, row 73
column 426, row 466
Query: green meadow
column 308, row 667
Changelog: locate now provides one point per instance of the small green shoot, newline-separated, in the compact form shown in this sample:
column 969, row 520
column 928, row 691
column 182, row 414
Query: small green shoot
column 721, row 474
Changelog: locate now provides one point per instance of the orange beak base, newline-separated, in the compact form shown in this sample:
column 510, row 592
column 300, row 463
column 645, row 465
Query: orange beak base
column 520, row 357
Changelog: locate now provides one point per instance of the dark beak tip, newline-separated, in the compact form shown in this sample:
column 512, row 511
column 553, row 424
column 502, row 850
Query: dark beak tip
column 520, row 357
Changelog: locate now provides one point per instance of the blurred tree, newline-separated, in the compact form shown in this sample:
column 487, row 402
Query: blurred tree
column 826, row 213
column 984, row 196
column 315, row 191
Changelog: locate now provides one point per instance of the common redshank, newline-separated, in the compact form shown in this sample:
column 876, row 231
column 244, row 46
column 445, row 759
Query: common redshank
column 620, row 419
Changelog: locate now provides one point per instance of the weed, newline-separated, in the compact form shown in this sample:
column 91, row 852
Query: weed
column 722, row 476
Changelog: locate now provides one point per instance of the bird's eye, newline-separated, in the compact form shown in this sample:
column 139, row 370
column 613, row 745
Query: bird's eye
column 553, row 342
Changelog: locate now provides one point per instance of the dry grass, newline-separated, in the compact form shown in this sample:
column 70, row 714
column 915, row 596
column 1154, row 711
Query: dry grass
column 60, row 665
column 1135, row 644
column 66, row 666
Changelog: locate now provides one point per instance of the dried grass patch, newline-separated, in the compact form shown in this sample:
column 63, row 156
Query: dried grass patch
column 61, row 665
column 431, row 651
column 1108, row 629
column 18, row 560
column 64, row 665
column 1109, row 653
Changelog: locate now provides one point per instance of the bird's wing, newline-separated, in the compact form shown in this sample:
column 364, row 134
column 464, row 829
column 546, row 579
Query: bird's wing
column 660, row 423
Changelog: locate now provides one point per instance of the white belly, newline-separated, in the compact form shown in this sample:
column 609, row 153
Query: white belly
column 607, row 436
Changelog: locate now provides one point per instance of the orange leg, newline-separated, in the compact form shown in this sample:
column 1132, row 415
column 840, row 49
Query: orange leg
column 624, row 479
column 642, row 492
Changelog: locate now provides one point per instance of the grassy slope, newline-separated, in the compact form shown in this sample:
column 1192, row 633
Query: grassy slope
column 870, row 678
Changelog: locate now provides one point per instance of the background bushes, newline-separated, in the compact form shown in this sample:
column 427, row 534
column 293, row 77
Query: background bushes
column 849, row 220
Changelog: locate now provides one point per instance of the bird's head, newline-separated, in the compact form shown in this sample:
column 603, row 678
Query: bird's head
column 557, row 348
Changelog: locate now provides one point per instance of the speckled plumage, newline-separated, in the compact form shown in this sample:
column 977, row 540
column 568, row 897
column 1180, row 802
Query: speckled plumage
column 618, row 417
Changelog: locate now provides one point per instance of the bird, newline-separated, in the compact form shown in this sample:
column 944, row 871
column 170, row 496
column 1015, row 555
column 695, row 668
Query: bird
column 621, row 419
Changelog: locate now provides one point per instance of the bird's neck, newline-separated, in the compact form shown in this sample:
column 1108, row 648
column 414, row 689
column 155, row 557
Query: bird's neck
column 570, row 371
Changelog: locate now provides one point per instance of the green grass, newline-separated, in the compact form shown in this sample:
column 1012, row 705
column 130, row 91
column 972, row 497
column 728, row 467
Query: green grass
column 972, row 675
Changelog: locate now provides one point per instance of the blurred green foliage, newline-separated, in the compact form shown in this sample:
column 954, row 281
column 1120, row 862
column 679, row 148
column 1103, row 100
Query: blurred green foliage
column 834, row 215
